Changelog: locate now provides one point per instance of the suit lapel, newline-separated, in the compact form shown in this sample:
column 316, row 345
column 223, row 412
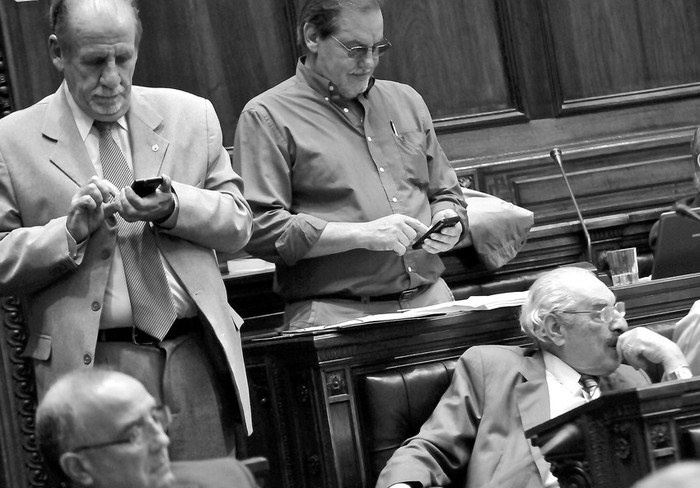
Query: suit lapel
column 69, row 154
column 148, row 148
column 532, row 398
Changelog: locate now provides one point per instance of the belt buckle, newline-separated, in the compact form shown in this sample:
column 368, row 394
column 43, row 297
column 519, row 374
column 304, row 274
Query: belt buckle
column 135, row 337
column 408, row 294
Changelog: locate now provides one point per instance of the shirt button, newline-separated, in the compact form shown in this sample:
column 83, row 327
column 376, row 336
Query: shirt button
column 87, row 359
column 410, row 269
column 394, row 199
column 346, row 110
column 369, row 139
column 105, row 254
column 331, row 88
column 95, row 306
column 381, row 169
column 326, row 98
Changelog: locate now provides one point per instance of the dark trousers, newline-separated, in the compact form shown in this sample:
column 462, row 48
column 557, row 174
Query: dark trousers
column 179, row 372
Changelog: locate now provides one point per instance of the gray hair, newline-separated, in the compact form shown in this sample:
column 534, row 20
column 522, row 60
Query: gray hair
column 549, row 293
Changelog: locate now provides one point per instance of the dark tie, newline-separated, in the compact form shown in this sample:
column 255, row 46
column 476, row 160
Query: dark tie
column 590, row 386
column 149, row 292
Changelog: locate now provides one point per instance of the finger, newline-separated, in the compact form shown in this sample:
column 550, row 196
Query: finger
column 399, row 248
column 167, row 184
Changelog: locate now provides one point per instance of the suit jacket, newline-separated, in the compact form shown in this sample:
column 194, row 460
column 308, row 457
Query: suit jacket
column 496, row 394
column 43, row 162
column 212, row 473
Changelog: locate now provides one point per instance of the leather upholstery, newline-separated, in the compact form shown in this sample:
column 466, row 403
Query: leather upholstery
column 395, row 404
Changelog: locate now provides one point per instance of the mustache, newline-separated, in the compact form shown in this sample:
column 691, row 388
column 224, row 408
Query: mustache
column 612, row 340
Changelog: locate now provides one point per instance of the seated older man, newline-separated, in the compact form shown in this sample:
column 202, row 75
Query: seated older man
column 476, row 435
column 102, row 429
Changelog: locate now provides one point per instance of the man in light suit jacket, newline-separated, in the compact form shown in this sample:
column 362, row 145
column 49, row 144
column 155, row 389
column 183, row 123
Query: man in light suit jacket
column 476, row 435
column 58, row 228
column 102, row 429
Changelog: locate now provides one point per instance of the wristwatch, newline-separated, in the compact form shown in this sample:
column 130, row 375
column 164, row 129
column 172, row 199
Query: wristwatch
column 680, row 373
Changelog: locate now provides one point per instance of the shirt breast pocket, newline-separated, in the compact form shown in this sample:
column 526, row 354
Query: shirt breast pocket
column 412, row 157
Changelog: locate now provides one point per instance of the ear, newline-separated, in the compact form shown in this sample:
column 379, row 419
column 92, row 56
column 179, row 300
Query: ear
column 76, row 468
column 311, row 38
column 56, row 52
column 554, row 330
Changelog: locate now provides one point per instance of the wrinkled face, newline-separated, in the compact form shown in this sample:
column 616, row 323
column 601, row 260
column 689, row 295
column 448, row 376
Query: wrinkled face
column 330, row 59
column 123, row 408
column 98, row 61
column 589, row 342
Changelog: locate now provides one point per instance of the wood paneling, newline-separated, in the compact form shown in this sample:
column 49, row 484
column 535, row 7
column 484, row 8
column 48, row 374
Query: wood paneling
column 637, row 48
column 450, row 51
column 225, row 51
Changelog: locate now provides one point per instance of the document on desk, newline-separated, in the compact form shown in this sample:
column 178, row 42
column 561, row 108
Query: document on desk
column 473, row 303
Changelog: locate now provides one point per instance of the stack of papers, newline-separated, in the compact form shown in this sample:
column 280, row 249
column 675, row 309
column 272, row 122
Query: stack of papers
column 489, row 302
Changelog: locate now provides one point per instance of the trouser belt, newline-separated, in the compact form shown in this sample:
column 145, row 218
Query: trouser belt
column 402, row 295
column 137, row 336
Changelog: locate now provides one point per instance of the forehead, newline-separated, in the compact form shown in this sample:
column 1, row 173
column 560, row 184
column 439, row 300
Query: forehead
column 366, row 26
column 591, row 292
column 116, row 404
column 102, row 28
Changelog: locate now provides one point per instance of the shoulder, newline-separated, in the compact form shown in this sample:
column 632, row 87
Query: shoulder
column 23, row 120
column 394, row 89
column 212, row 473
column 286, row 92
column 495, row 357
column 167, row 99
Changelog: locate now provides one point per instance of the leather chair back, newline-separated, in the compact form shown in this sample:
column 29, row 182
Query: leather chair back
column 395, row 403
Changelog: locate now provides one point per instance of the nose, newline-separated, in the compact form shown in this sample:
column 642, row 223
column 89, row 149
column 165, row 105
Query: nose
column 619, row 324
column 158, row 437
column 110, row 75
column 369, row 60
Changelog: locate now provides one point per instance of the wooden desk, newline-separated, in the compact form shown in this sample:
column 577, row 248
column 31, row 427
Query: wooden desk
column 305, row 409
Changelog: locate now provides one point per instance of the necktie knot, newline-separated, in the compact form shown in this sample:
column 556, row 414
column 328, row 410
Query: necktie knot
column 103, row 126
column 590, row 386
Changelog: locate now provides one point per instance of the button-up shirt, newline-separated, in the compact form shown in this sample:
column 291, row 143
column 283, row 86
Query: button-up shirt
column 307, row 161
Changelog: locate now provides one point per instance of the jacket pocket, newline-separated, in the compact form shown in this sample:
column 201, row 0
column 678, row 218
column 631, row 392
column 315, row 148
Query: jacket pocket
column 38, row 347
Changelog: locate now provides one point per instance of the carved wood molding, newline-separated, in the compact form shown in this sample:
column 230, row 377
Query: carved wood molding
column 21, row 376
column 5, row 101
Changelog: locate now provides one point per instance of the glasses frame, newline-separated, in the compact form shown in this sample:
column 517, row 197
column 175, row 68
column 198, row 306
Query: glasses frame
column 613, row 311
column 159, row 415
column 360, row 52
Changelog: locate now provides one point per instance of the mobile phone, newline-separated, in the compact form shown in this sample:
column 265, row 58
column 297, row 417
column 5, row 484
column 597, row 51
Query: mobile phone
column 146, row 186
column 436, row 227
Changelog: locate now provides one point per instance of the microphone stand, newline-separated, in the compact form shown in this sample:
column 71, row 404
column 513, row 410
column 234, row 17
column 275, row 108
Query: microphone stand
column 555, row 154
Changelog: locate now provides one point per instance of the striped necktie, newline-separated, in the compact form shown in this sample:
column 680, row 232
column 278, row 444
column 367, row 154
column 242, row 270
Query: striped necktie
column 149, row 292
column 589, row 384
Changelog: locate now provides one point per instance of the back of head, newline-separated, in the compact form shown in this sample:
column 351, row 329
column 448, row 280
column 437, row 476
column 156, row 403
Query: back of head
column 60, row 13
column 684, row 474
column 551, row 291
column 58, row 415
column 323, row 15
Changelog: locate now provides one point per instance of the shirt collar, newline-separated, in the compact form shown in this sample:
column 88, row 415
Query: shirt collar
column 322, row 85
column 83, row 120
column 564, row 373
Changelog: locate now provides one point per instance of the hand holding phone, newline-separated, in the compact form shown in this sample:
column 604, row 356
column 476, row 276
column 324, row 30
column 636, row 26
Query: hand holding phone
column 146, row 186
column 436, row 227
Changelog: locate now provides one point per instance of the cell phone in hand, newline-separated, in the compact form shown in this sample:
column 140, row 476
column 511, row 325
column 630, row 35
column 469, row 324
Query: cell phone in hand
column 146, row 186
column 436, row 227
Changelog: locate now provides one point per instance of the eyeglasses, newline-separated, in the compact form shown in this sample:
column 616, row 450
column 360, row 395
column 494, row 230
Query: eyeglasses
column 159, row 415
column 606, row 314
column 359, row 52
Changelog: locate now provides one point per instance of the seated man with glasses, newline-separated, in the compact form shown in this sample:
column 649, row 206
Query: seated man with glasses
column 475, row 437
column 344, row 173
column 101, row 428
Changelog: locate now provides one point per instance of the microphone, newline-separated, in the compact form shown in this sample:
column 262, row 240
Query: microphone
column 555, row 154
column 685, row 211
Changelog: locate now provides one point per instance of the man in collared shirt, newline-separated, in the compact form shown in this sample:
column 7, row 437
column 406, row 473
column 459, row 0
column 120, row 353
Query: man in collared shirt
column 343, row 173
column 65, row 229
column 477, row 431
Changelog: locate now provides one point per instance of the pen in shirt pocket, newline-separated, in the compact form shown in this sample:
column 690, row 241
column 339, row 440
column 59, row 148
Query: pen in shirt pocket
column 393, row 128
